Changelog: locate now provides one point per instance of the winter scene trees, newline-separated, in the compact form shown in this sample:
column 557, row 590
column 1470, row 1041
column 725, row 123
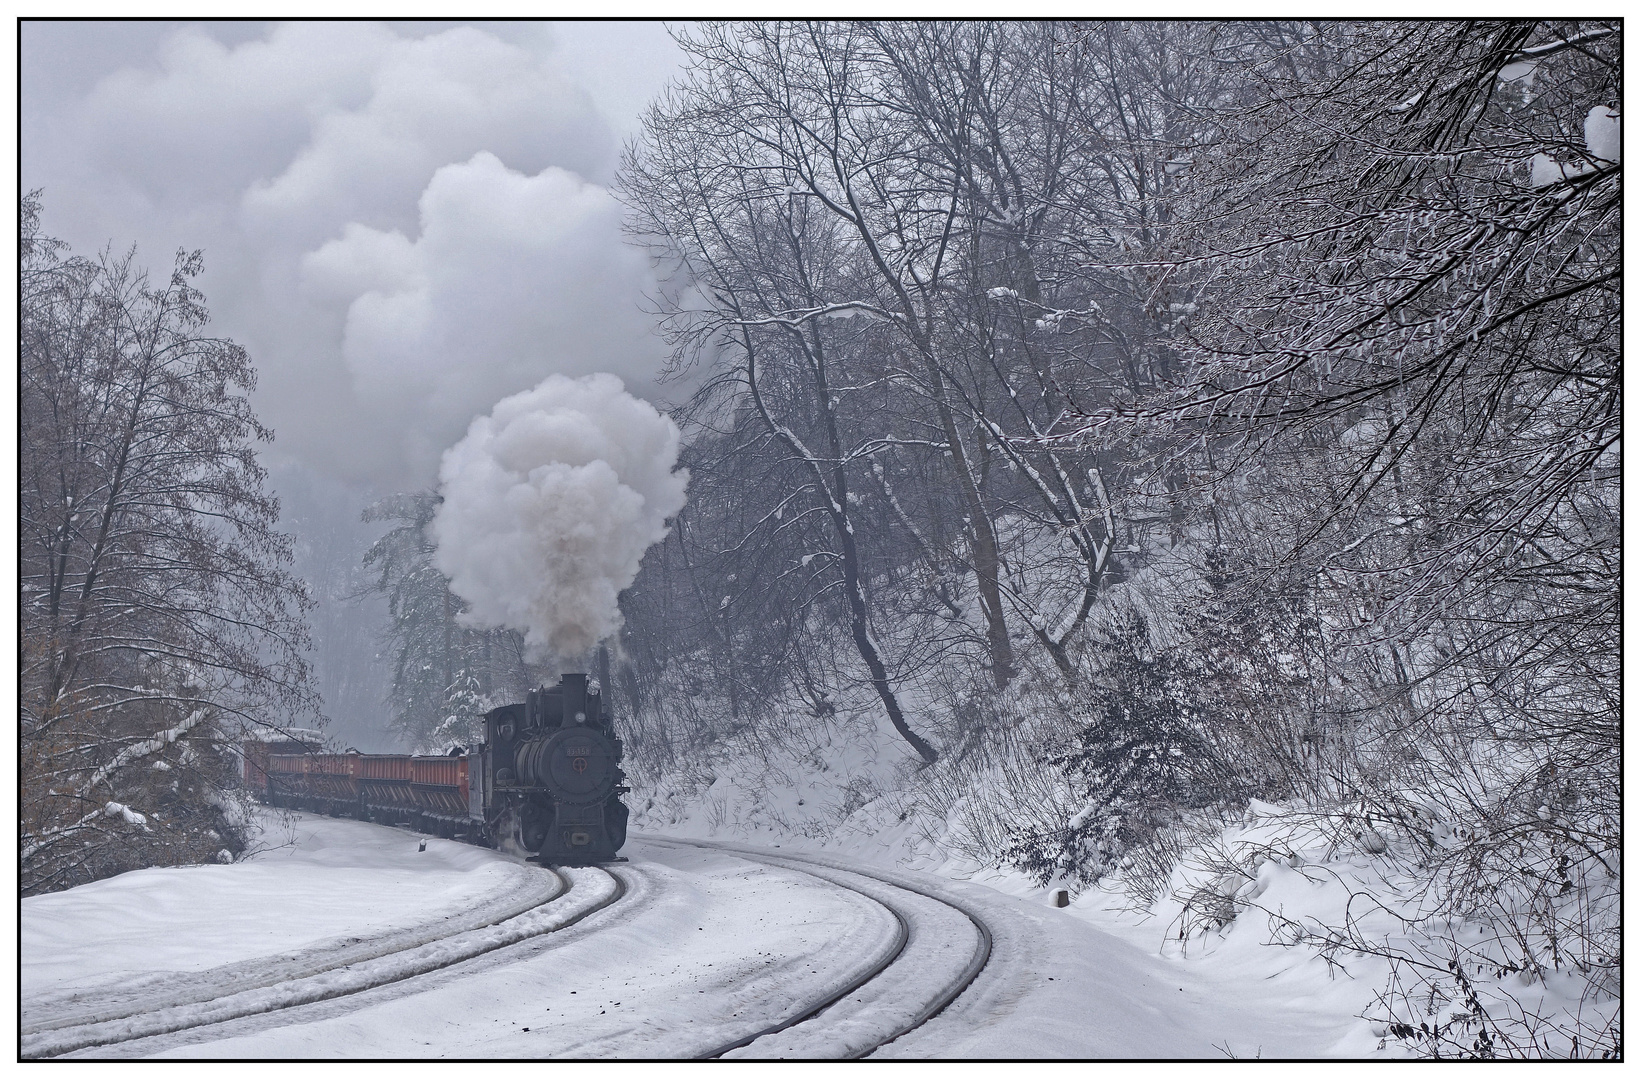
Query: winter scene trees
column 159, row 617
column 1175, row 464
column 1179, row 416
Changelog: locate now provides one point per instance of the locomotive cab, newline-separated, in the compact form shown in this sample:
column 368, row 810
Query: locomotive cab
column 552, row 775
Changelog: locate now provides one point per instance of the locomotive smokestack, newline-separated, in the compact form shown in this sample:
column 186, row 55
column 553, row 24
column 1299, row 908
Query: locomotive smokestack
column 575, row 698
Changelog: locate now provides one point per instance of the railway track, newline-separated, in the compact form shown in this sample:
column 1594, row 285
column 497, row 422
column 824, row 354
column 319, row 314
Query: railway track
column 529, row 889
column 308, row 977
column 870, row 1009
column 931, row 949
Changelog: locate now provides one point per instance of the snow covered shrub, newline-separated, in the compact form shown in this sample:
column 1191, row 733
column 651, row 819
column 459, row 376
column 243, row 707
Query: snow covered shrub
column 167, row 796
column 1512, row 943
column 990, row 786
column 1449, row 1000
column 1143, row 760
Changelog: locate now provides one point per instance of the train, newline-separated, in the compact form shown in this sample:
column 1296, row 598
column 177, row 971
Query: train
column 546, row 781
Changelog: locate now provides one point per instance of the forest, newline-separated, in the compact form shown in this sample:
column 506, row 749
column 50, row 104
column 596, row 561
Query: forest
column 1155, row 417
column 1118, row 425
column 159, row 618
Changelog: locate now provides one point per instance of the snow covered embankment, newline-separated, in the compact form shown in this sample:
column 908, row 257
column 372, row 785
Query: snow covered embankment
column 1248, row 917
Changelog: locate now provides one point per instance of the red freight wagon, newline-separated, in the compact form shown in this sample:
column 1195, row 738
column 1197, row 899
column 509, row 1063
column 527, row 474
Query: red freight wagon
column 428, row 793
column 255, row 751
column 439, row 786
column 330, row 782
column 385, row 794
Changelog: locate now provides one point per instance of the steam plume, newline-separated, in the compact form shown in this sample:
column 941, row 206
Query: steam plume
column 549, row 505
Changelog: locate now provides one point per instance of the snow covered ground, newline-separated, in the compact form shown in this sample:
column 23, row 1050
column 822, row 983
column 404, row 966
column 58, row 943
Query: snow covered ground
column 1234, row 993
column 1244, row 980
column 1098, row 979
column 705, row 947
column 315, row 887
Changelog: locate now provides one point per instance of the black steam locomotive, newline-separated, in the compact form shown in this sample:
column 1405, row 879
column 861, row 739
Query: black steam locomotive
column 552, row 775
column 547, row 781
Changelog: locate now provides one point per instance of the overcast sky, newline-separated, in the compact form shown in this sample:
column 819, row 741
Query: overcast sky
column 403, row 222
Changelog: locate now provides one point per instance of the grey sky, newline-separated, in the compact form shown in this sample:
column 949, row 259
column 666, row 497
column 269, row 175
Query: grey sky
column 403, row 222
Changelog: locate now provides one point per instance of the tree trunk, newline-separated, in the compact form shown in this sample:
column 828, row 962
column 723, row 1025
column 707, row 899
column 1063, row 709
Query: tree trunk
column 985, row 559
column 868, row 647
column 839, row 513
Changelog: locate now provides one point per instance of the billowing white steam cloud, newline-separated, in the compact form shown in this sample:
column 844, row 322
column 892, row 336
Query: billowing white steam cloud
column 549, row 505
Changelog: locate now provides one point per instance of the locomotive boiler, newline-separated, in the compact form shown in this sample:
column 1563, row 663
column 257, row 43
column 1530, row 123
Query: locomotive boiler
column 546, row 782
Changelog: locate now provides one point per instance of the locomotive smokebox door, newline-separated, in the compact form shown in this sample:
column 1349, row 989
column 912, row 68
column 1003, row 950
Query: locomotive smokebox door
column 577, row 765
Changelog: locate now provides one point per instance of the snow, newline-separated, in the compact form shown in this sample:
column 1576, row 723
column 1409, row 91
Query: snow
column 1603, row 139
column 851, row 310
column 1233, row 989
column 138, row 749
column 1546, row 170
column 1603, row 134
column 1519, row 71
column 319, row 884
column 941, row 944
column 120, row 810
column 706, row 948
column 259, row 733
column 710, row 944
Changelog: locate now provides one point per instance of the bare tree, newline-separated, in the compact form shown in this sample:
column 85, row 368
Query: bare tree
column 158, row 611
column 1406, row 357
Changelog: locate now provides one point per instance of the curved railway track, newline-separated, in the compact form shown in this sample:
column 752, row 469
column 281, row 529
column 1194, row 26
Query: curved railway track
column 77, row 1008
column 891, row 998
column 310, row 978
column 935, row 948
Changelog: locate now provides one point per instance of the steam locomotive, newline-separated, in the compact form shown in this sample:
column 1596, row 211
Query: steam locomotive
column 547, row 780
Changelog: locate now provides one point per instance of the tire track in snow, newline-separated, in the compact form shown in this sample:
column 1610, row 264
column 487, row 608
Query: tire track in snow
column 587, row 891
